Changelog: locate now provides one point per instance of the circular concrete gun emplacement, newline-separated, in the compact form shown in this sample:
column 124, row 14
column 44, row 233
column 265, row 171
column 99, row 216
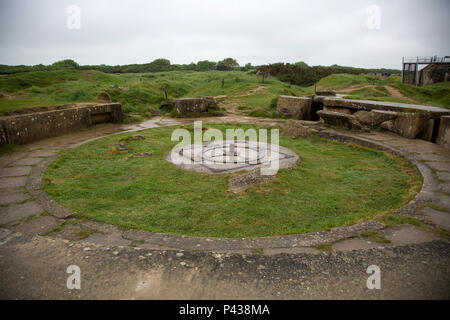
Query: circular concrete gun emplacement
column 221, row 157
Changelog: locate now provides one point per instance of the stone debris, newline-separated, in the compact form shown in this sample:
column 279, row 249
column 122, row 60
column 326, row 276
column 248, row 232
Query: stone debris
column 137, row 137
column 120, row 147
column 340, row 119
column 142, row 154
column 294, row 129
column 242, row 182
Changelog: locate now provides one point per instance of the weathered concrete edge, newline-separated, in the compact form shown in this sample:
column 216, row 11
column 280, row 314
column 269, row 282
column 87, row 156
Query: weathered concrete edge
column 369, row 105
column 30, row 127
column 178, row 242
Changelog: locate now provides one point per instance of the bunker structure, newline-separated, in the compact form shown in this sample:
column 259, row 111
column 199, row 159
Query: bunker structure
column 437, row 70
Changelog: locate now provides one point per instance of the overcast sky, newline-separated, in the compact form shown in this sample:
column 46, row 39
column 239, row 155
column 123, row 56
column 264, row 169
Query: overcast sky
column 319, row 32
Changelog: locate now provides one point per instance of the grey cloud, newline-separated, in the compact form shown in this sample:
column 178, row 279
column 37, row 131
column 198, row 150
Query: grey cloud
column 184, row 31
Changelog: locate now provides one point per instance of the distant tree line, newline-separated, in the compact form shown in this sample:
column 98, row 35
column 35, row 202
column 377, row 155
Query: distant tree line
column 158, row 65
column 298, row 73
column 303, row 75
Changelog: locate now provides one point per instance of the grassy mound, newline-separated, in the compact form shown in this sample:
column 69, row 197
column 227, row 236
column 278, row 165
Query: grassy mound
column 435, row 94
column 137, row 92
column 334, row 185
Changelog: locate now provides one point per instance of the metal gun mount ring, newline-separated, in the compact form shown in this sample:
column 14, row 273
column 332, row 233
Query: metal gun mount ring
column 220, row 157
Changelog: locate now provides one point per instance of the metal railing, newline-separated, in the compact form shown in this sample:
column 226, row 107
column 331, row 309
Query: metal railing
column 427, row 60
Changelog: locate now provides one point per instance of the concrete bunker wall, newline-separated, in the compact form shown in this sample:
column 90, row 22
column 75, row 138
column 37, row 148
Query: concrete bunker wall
column 194, row 105
column 409, row 121
column 300, row 108
column 295, row 107
column 26, row 128
column 443, row 136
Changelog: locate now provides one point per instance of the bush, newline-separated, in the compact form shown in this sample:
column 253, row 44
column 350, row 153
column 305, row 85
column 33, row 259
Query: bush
column 260, row 113
column 274, row 103
column 66, row 64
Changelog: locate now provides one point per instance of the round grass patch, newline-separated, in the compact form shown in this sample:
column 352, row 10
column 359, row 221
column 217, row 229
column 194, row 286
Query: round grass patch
column 334, row 185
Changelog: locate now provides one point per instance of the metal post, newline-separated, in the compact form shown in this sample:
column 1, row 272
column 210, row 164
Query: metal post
column 417, row 74
column 403, row 69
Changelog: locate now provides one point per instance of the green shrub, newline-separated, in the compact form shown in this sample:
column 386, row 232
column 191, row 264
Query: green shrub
column 273, row 103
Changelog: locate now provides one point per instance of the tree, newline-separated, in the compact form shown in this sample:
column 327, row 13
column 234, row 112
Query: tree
column 301, row 64
column 159, row 65
column 164, row 87
column 206, row 65
column 264, row 71
column 66, row 64
column 227, row 64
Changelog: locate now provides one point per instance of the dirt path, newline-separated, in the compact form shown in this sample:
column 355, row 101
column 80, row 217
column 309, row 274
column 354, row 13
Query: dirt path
column 231, row 105
column 253, row 91
column 354, row 87
column 35, row 268
column 396, row 93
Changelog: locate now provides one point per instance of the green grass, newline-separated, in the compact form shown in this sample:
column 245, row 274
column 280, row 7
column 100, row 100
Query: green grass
column 140, row 92
column 382, row 98
column 262, row 113
column 435, row 95
column 375, row 237
column 393, row 220
column 85, row 233
column 343, row 80
column 370, row 92
column 136, row 92
column 8, row 148
column 326, row 247
column 257, row 250
column 334, row 185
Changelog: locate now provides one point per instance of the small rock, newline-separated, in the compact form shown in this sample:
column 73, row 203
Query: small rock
column 142, row 154
column 137, row 137
column 180, row 254
column 149, row 254
column 121, row 147
column 116, row 253
column 154, row 112
column 183, row 263
column 103, row 97
column 141, row 257
column 86, row 249
column 388, row 125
